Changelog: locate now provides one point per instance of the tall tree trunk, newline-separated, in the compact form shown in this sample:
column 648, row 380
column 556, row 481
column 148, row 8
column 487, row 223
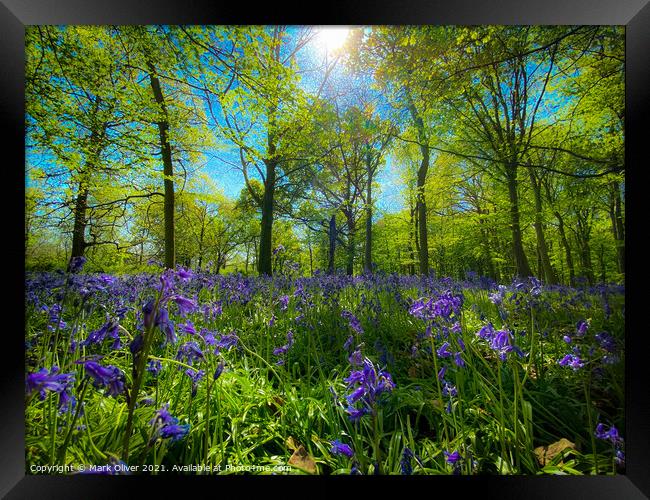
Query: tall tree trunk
column 332, row 245
column 412, row 237
column 421, row 205
column 522, row 268
column 168, row 170
column 368, row 254
column 542, row 247
column 618, row 228
column 79, row 229
column 349, row 268
column 583, row 235
column 265, row 263
column 567, row 249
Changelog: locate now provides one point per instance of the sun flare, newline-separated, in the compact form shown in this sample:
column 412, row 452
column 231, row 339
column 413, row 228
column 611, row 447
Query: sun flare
column 332, row 38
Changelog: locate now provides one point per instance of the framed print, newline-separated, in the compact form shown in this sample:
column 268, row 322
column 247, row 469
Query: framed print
column 392, row 241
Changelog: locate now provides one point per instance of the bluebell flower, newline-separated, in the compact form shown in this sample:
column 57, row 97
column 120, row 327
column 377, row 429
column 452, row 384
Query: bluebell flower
column 405, row 463
column 452, row 458
column 610, row 434
column 165, row 426
column 52, row 381
column 188, row 327
column 226, row 342
column 185, row 305
column 109, row 329
column 353, row 321
column 219, row 370
column 175, row 432
column 110, row 377
column 196, row 377
column 356, row 358
column 571, row 360
column 443, row 351
column 184, row 274
column 154, row 367
column 189, row 352
column 339, row 448
column 367, row 386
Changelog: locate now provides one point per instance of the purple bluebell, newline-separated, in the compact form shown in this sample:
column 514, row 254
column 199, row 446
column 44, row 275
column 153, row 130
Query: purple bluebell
column 339, row 448
column 154, row 367
column 187, row 327
column 185, row 305
column 109, row 329
column 189, row 352
column 219, row 370
column 452, row 458
column 226, row 342
column 53, row 381
column 581, row 327
column 571, row 360
column 165, row 426
column 174, row 431
column 367, row 386
column 353, row 321
column 443, row 351
column 610, row 434
column 110, row 377
column 405, row 463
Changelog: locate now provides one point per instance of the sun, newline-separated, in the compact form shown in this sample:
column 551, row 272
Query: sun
column 331, row 39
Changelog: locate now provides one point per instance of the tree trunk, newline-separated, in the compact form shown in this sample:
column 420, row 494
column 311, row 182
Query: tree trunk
column 332, row 245
column 618, row 228
column 567, row 249
column 421, row 206
column 368, row 254
column 522, row 268
column 583, row 235
column 349, row 268
column 265, row 263
column 79, row 230
column 542, row 247
column 412, row 237
column 168, row 170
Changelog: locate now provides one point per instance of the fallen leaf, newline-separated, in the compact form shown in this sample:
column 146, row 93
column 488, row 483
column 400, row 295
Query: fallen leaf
column 302, row 460
column 546, row 454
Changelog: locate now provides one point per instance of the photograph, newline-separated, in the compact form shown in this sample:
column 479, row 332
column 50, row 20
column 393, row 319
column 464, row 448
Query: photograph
column 325, row 249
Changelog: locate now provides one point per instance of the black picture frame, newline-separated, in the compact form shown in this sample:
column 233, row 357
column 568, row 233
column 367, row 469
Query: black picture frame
column 16, row 14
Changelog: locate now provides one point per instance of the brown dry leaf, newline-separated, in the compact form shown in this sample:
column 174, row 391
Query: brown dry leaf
column 413, row 372
column 303, row 461
column 546, row 453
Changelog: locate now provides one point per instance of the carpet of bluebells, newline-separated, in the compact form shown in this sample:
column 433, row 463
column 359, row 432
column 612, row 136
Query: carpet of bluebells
column 375, row 374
